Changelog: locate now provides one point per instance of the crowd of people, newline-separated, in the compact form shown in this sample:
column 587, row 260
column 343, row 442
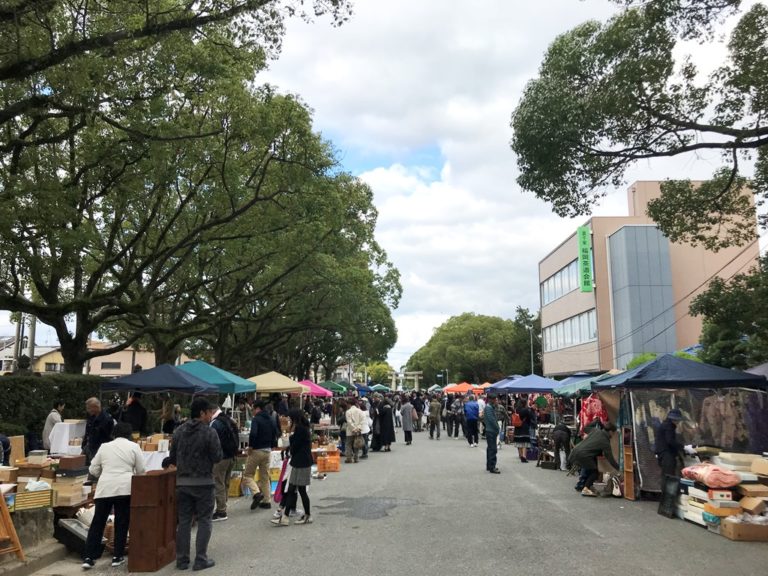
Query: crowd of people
column 205, row 445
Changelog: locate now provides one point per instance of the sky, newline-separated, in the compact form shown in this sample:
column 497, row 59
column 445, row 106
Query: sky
column 416, row 96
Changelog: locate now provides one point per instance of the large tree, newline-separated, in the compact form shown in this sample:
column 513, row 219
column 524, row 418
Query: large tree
column 735, row 331
column 479, row 348
column 130, row 136
column 611, row 94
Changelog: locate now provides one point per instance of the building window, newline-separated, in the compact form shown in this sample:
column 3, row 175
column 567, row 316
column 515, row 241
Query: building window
column 51, row 367
column 560, row 283
column 110, row 365
column 573, row 331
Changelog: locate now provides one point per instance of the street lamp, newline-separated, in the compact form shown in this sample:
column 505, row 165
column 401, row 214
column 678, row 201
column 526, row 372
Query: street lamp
column 530, row 332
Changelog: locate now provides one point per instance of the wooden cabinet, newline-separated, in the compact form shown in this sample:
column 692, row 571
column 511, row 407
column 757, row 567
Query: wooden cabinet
column 153, row 521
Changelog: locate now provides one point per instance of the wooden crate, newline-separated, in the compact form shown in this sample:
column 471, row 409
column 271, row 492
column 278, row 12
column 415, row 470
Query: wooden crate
column 31, row 500
column 328, row 464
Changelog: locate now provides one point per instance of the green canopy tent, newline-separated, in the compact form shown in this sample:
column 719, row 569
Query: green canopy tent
column 226, row 382
column 380, row 388
column 333, row 387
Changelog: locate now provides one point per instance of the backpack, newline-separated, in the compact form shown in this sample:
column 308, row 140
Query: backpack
column 230, row 439
column 517, row 422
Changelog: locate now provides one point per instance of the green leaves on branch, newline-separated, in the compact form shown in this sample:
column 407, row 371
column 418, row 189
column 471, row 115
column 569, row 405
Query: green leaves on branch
column 609, row 95
column 735, row 319
column 479, row 348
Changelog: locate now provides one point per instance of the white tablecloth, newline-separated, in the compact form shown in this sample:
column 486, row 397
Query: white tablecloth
column 62, row 433
column 154, row 460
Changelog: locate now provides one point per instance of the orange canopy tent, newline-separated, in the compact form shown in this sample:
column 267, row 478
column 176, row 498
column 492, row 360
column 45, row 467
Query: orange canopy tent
column 462, row 388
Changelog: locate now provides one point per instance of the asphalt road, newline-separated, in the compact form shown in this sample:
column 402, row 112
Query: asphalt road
column 431, row 509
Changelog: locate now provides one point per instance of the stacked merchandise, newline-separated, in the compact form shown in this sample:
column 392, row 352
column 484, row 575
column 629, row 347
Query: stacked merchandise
column 31, row 479
column 728, row 498
column 69, row 487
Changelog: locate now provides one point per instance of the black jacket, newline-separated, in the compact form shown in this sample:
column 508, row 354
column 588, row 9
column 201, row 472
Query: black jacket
column 98, row 429
column 136, row 416
column 666, row 439
column 301, row 448
column 194, row 451
column 263, row 432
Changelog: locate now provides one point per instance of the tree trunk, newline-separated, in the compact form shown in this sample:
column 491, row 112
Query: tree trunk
column 164, row 354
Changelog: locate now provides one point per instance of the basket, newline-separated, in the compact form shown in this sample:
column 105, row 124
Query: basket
column 328, row 464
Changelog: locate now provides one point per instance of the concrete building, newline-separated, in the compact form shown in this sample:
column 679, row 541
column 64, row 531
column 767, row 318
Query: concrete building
column 642, row 287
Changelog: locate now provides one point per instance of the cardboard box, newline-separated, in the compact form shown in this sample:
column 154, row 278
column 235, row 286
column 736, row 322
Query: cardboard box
column 37, row 457
column 720, row 495
column 72, row 462
column 8, row 474
column 150, row 447
column 757, row 490
column 752, row 505
column 722, row 512
column 759, row 466
column 744, row 532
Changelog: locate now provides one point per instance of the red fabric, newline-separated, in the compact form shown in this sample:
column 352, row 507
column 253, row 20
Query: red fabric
column 711, row 475
column 591, row 408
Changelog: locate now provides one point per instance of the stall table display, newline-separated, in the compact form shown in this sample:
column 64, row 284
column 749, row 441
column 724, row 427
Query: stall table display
column 67, row 437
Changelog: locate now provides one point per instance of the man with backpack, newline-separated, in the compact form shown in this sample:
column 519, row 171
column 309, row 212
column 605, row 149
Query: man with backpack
column 229, row 438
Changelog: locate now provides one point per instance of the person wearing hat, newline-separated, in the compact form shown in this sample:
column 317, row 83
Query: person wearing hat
column 668, row 448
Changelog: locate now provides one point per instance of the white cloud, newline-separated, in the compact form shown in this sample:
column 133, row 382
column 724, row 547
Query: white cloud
column 402, row 76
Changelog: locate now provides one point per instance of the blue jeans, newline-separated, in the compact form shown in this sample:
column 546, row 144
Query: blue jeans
column 587, row 477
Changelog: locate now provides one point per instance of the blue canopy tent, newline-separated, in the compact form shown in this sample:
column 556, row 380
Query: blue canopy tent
column 363, row 390
column 533, row 383
column 670, row 371
column 226, row 382
column 163, row 378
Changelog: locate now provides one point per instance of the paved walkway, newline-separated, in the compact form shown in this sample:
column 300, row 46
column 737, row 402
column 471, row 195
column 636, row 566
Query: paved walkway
column 431, row 509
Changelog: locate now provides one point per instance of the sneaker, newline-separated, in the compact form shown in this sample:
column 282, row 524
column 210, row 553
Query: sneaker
column 118, row 561
column 257, row 498
column 277, row 514
column 266, row 505
column 88, row 563
column 220, row 516
column 587, row 492
column 495, row 471
column 305, row 519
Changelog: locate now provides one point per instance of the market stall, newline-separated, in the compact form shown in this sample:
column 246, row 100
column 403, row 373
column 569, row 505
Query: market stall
column 723, row 408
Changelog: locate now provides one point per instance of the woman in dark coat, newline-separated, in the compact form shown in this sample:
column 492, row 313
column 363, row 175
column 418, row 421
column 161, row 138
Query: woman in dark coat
column 376, row 426
column 523, row 432
column 301, row 469
column 386, row 425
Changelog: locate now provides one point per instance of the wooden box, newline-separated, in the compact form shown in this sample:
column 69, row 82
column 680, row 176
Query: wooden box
column 153, row 521
column 8, row 474
column 72, row 462
column 31, row 500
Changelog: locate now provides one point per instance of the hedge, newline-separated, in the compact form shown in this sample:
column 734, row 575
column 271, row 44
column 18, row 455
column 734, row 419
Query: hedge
column 26, row 400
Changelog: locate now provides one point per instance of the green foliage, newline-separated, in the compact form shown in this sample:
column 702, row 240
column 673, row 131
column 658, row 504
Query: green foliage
column 648, row 356
column 28, row 399
column 479, row 348
column 641, row 359
column 735, row 319
column 611, row 94
column 379, row 372
column 154, row 194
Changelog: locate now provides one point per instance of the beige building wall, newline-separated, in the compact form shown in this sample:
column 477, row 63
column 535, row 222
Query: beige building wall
column 691, row 267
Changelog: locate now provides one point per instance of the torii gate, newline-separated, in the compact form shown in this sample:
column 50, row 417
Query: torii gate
column 406, row 376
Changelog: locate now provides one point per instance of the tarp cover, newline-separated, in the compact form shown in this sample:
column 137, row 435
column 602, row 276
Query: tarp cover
column 669, row 371
column 533, row 383
column 226, row 382
column 163, row 378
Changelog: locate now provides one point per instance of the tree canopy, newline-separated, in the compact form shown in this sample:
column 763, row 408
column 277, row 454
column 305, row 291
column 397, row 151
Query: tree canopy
column 477, row 348
column 155, row 194
column 611, row 94
column 735, row 320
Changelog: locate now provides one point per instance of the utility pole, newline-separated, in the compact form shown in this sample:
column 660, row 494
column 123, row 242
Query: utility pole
column 530, row 332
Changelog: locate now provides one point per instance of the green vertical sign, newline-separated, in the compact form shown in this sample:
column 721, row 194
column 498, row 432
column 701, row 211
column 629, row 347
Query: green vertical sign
column 584, row 235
